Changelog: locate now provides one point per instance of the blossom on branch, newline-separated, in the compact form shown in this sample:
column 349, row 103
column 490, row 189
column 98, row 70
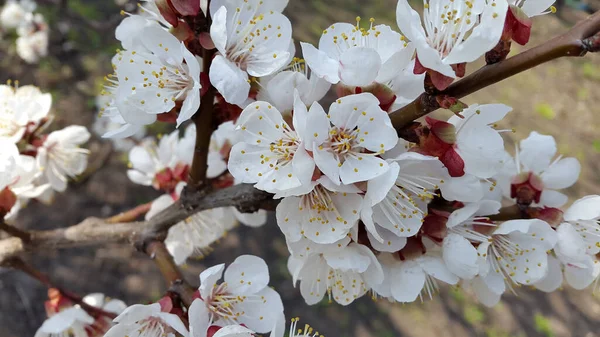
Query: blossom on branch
column 535, row 174
column 243, row 298
column 253, row 39
column 451, row 33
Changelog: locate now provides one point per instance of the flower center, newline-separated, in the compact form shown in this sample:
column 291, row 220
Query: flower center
column 447, row 23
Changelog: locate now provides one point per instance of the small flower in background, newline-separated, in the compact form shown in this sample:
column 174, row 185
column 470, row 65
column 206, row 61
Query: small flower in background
column 61, row 158
column 103, row 125
column 14, row 13
column 68, row 319
column 22, row 110
column 153, row 320
column 253, row 39
column 165, row 165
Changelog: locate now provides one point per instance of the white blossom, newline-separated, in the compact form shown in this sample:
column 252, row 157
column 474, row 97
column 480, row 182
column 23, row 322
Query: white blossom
column 347, row 141
column 278, row 89
column 415, row 275
column 396, row 200
column 243, row 298
column 359, row 57
column 152, row 75
column 60, row 156
column 452, row 32
column 514, row 253
column 68, row 322
column 14, row 13
column 343, row 272
column 21, row 107
column 270, row 153
column 253, row 39
column 534, row 174
column 325, row 214
column 147, row 321
column 165, row 164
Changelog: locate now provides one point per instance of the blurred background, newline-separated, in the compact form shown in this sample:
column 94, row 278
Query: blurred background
column 560, row 98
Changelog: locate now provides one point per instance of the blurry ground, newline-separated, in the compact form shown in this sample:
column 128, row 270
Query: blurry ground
column 560, row 98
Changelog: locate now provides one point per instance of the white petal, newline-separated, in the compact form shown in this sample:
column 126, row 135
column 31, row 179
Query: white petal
column 248, row 274
column 561, row 174
column 553, row 279
column 199, row 318
column 483, row 37
column 230, row 81
column 534, row 8
column 390, row 241
column 551, row 198
column 409, row 280
column 586, row 208
column 218, row 29
column 486, row 296
column 435, row 267
column 466, row 188
column 261, row 316
column 209, row 278
column 460, row 256
column 362, row 169
column 378, row 187
column 579, row 278
column 537, row 151
column 322, row 66
column 359, row 66
column 234, row 331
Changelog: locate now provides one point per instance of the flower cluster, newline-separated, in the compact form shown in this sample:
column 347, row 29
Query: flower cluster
column 165, row 166
column 34, row 164
column 31, row 28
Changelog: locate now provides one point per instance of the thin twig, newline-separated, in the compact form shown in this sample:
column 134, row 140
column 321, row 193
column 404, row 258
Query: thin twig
column 130, row 215
column 575, row 42
column 19, row 264
column 158, row 252
column 14, row 231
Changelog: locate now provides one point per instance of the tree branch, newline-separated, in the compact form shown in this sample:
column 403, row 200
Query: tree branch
column 94, row 231
column 131, row 214
column 203, row 120
column 582, row 38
